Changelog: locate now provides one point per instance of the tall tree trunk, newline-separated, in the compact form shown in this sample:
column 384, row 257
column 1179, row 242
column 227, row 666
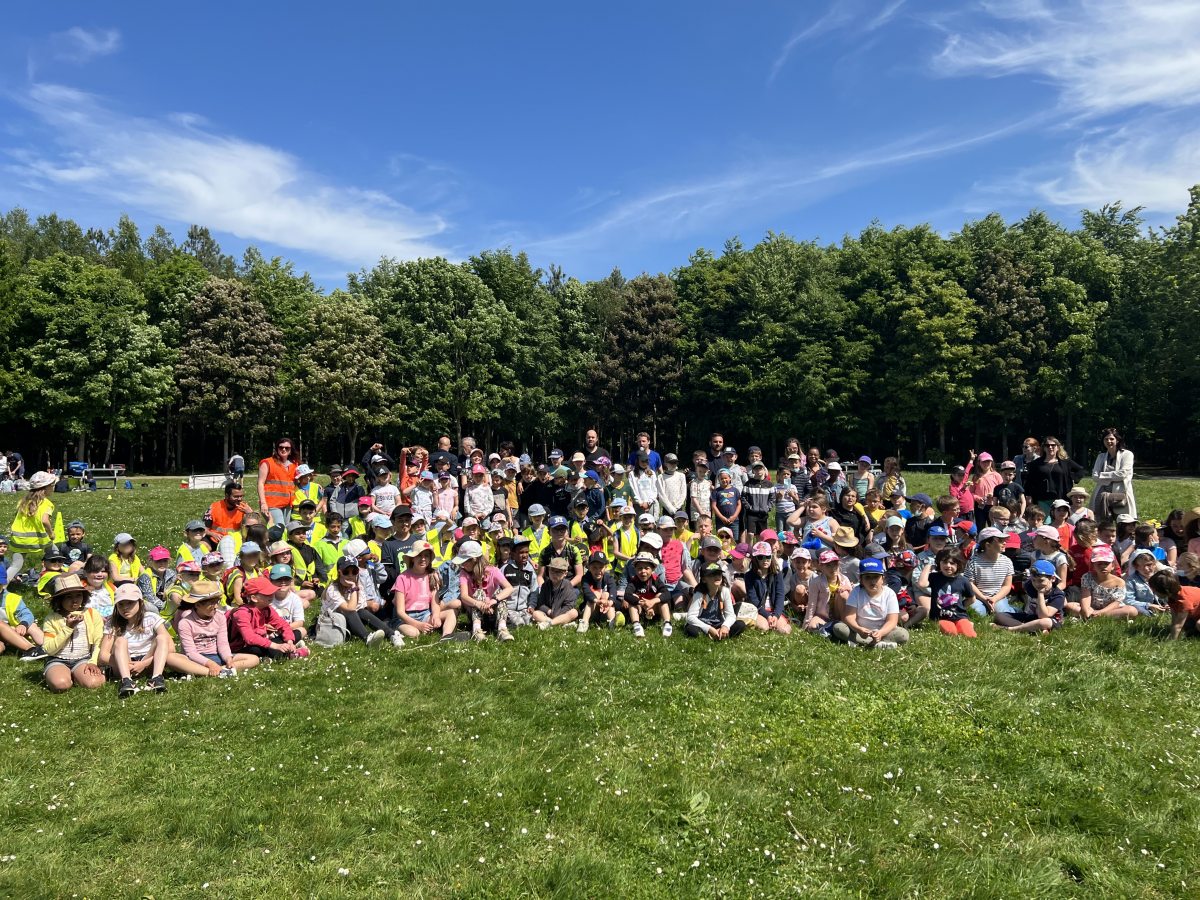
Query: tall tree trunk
column 225, row 446
column 1004, row 444
column 109, row 448
column 81, row 448
column 921, row 442
column 977, row 448
column 179, row 444
column 942, row 436
column 1070, row 432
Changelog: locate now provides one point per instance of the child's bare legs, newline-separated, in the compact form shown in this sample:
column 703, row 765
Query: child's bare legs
column 563, row 618
column 61, row 678
column 445, row 619
column 12, row 638
column 307, row 596
column 916, row 616
column 243, row 661
column 162, row 649
column 1117, row 611
column 781, row 625
column 815, row 624
column 177, row 662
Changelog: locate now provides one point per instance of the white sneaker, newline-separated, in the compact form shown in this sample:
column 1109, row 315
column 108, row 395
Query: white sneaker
column 478, row 635
column 886, row 645
column 582, row 627
column 227, row 673
column 504, row 634
column 397, row 639
column 375, row 637
column 679, row 616
column 542, row 626
column 638, row 630
column 668, row 630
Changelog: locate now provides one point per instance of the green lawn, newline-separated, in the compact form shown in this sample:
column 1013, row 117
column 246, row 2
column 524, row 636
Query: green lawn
column 565, row 765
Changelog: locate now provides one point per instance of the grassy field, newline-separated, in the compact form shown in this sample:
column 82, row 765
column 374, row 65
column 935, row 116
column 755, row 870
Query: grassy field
column 565, row 765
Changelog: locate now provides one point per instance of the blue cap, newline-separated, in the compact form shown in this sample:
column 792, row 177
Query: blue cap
column 558, row 522
column 251, row 547
column 592, row 474
column 921, row 498
column 870, row 565
column 280, row 570
column 556, row 453
column 537, row 510
column 1043, row 567
column 939, row 531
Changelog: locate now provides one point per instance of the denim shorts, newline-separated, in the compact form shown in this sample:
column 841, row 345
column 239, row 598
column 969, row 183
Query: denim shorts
column 421, row 615
column 213, row 657
column 71, row 664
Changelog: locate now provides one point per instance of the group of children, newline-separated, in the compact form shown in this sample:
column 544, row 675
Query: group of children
column 837, row 563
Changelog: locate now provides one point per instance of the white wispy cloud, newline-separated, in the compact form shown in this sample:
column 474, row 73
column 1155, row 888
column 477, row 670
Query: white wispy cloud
column 1105, row 55
column 179, row 168
column 78, row 45
column 841, row 14
column 789, row 184
column 1128, row 72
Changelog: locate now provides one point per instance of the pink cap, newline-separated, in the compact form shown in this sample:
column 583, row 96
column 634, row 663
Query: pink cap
column 1102, row 553
column 827, row 556
column 478, row 470
column 160, row 553
column 469, row 520
column 741, row 551
column 769, row 535
column 188, row 565
column 762, row 548
column 984, row 455
column 1049, row 532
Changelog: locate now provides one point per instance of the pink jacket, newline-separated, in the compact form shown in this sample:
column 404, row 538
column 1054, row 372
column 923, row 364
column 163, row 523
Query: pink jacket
column 962, row 492
column 249, row 627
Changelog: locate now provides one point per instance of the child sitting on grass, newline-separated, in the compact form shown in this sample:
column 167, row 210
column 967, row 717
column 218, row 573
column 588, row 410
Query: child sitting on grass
column 764, row 589
column 1102, row 592
column 54, row 562
column 256, row 628
column 123, row 562
column 949, row 590
column 1138, row 593
column 711, row 611
column 286, row 601
column 415, row 599
column 1047, row 548
column 136, row 641
column 872, row 611
column 204, row 636
column 72, row 637
column 1044, row 602
column 18, row 627
column 828, row 591
column 599, row 594
column 647, row 596
column 483, row 591
column 1184, row 602
column 557, row 599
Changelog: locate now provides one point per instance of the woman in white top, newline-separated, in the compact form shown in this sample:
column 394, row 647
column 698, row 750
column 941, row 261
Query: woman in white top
column 1113, row 473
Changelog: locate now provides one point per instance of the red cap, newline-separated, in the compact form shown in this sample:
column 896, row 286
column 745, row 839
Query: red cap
column 259, row 585
column 1012, row 542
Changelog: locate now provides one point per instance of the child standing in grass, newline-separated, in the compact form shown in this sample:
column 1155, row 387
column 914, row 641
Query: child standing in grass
column 72, row 637
column 1044, row 602
column 949, row 591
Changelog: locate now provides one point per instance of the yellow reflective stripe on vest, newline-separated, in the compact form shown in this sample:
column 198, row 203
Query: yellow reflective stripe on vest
column 28, row 534
column 11, row 603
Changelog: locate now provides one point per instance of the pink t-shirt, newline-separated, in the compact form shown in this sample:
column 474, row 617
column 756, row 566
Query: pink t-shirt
column 415, row 589
column 493, row 581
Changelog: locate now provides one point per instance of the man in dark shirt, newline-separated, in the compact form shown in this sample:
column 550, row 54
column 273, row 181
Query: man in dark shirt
column 592, row 450
column 443, row 452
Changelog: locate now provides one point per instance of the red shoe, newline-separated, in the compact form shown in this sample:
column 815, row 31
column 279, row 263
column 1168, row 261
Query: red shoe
column 299, row 653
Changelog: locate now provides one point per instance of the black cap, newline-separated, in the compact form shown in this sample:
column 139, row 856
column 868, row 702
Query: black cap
column 581, row 502
column 306, row 502
column 347, row 562
column 958, row 470
column 598, row 557
column 53, row 553
column 402, row 510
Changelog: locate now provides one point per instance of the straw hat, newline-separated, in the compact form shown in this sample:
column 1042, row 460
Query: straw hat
column 845, row 537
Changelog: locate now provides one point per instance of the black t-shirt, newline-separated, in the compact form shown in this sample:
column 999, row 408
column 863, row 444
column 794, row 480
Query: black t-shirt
column 592, row 455
column 1005, row 492
column 948, row 596
column 76, row 552
column 569, row 552
column 916, row 530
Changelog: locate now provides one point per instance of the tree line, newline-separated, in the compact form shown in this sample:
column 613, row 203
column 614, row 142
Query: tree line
column 167, row 356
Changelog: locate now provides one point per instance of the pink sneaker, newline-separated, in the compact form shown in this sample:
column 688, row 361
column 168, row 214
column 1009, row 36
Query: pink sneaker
column 299, row 653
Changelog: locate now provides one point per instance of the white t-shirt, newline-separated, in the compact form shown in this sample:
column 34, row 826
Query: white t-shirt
column 873, row 611
column 290, row 607
column 101, row 601
column 385, row 497
column 141, row 641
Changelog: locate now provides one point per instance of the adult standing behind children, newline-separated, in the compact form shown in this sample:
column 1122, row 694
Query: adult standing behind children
column 277, row 482
column 1113, row 473
column 1050, row 477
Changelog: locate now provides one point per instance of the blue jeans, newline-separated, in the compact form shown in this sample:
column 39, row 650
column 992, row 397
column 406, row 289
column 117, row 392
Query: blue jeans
column 978, row 607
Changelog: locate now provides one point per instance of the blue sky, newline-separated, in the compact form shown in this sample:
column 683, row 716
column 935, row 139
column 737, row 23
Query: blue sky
column 591, row 136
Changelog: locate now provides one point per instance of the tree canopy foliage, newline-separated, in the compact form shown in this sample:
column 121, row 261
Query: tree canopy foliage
column 894, row 341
